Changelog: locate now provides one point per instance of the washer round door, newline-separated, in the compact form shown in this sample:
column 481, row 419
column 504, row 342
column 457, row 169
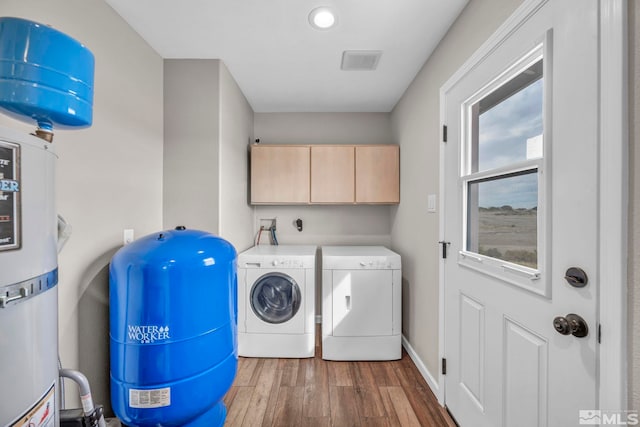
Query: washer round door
column 275, row 298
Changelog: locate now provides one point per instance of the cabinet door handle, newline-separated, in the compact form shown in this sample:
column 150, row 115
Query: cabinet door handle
column 347, row 300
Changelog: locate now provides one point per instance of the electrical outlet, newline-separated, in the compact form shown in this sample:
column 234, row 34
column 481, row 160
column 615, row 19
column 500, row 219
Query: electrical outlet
column 127, row 236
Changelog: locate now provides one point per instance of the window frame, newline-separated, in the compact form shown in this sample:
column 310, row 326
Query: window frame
column 533, row 279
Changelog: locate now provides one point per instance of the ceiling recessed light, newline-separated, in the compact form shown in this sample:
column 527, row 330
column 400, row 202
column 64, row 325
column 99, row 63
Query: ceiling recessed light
column 322, row 18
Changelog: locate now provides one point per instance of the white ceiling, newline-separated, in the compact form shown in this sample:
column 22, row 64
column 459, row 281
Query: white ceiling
column 281, row 63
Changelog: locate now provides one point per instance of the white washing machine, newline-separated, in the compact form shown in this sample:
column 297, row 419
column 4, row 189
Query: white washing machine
column 361, row 303
column 276, row 301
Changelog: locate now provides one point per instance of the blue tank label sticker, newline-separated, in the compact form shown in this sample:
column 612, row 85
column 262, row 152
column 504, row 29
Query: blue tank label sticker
column 9, row 196
column 147, row 334
column 150, row 398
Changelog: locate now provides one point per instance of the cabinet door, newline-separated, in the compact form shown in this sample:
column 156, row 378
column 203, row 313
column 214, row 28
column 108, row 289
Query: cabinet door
column 332, row 174
column 378, row 174
column 279, row 174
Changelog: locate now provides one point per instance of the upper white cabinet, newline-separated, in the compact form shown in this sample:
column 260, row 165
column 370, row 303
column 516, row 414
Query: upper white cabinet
column 325, row 174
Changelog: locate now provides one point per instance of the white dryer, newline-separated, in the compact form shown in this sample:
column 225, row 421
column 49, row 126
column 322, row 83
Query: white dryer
column 361, row 303
column 276, row 301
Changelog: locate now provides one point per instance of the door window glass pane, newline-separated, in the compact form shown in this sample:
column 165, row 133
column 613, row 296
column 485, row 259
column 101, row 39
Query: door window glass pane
column 507, row 123
column 502, row 218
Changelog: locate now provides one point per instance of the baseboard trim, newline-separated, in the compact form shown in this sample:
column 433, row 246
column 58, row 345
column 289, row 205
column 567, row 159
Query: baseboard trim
column 431, row 381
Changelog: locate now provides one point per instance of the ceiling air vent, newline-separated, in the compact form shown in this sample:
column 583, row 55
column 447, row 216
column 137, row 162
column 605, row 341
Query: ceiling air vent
column 360, row 59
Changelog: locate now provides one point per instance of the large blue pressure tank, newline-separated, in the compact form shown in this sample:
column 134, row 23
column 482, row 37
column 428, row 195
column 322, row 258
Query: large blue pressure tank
column 45, row 75
column 173, row 321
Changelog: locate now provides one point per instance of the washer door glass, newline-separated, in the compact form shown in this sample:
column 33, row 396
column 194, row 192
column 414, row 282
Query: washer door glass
column 275, row 298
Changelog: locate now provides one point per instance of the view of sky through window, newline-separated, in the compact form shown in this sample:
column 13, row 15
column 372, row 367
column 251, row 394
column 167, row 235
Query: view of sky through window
column 510, row 132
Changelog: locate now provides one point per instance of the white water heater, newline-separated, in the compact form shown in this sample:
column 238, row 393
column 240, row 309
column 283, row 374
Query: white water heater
column 28, row 281
column 46, row 77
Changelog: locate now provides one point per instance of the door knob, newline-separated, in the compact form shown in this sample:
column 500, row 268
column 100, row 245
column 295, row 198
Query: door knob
column 571, row 324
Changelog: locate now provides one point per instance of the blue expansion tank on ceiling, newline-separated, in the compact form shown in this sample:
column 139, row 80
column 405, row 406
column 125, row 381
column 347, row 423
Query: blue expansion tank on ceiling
column 45, row 75
column 173, row 328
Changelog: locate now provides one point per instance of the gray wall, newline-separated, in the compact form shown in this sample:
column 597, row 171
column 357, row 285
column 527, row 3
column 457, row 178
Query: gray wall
column 634, row 205
column 236, row 132
column 109, row 176
column 414, row 232
column 323, row 128
column 208, row 126
column 191, row 143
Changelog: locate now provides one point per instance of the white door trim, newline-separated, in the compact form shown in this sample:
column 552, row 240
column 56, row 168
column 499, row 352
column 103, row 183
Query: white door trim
column 613, row 194
column 614, row 191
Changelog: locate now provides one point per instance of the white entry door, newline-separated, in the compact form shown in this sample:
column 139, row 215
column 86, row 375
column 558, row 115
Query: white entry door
column 521, row 202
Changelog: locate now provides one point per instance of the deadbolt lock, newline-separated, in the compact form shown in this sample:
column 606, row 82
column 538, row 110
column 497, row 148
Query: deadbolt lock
column 571, row 324
column 576, row 277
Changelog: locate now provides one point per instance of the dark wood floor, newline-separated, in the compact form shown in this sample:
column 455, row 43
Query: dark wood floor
column 314, row 392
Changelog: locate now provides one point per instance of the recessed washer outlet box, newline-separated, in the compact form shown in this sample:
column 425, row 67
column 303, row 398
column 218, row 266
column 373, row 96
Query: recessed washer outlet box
column 267, row 223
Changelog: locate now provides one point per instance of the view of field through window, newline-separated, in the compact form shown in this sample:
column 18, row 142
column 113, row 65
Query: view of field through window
column 503, row 211
column 508, row 228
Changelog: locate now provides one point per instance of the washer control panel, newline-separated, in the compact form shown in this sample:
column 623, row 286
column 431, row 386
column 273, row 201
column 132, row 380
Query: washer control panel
column 286, row 263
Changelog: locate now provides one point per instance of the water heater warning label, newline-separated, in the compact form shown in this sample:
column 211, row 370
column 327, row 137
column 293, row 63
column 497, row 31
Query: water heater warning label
column 41, row 414
column 9, row 196
column 156, row 398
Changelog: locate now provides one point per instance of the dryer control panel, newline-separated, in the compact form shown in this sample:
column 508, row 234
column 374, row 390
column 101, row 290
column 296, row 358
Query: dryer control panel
column 376, row 265
column 360, row 258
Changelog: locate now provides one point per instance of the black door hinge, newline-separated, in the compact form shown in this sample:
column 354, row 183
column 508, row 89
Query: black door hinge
column 444, row 133
column 445, row 246
column 599, row 333
column 444, row 366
